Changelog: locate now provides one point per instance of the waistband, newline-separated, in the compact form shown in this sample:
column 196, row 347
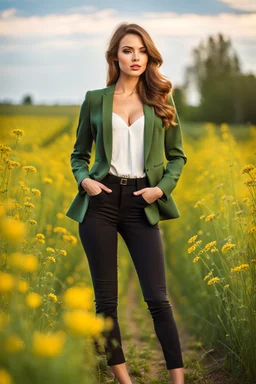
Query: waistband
column 125, row 180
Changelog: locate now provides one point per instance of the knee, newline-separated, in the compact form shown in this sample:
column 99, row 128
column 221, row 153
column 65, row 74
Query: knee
column 107, row 306
column 158, row 304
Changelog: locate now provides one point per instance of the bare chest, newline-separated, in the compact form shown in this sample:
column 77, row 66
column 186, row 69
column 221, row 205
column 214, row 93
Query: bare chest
column 130, row 109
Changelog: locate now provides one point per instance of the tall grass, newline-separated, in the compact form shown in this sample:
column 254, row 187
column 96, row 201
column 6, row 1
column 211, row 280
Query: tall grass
column 213, row 273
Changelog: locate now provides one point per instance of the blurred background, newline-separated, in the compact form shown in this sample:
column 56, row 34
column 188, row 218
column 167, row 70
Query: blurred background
column 51, row 54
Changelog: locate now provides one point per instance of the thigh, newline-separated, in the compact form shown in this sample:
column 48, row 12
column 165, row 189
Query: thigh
column 145, row 245
column 99, row 240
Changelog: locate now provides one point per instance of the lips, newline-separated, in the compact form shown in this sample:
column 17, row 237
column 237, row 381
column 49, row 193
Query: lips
column 135, row 66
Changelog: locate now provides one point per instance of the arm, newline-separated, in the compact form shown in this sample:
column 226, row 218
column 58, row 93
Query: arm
column 175, row 156
column 80, row 157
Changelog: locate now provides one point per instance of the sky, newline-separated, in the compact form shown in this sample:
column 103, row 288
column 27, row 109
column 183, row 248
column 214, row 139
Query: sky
column 55, row 51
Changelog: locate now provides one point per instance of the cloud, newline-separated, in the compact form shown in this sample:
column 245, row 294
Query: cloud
column 243, row 5
column 99, row 23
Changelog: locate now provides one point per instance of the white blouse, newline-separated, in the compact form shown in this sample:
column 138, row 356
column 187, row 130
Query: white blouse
column 127, row 147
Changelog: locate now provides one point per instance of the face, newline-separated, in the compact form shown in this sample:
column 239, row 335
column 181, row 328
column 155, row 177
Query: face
column 132, row 52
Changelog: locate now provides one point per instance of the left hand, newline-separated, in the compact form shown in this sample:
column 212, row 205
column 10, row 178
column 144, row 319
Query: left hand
column 150, row 194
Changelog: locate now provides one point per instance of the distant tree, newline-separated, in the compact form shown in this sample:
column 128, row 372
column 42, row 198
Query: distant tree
column 27, row 99
column 216, row 74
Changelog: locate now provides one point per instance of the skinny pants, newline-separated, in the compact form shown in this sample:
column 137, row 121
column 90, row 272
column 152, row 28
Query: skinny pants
column 119, row 211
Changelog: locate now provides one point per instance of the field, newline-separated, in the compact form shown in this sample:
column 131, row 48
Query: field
column 47, row 321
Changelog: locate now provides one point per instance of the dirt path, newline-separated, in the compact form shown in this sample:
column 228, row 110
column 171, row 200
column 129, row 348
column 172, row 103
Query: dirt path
column 144, row 356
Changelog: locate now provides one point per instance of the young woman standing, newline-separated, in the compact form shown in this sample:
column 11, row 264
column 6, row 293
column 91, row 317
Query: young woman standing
column 133, row 122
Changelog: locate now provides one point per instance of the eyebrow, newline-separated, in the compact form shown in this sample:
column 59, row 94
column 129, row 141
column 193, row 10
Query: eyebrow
column 131, row 47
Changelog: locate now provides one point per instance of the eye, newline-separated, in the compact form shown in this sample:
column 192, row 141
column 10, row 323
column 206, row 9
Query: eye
column 126, row 51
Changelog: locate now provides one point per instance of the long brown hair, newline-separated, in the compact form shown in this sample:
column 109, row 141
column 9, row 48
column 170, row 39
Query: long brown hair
column 153, row 88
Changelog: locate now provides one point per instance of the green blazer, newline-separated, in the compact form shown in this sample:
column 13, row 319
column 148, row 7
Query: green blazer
column 95, row 124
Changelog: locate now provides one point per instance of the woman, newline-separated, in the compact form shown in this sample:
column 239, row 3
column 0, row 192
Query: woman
column 128, row 190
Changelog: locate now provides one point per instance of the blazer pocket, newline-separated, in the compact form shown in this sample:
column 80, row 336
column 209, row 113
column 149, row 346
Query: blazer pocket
column 158, row 165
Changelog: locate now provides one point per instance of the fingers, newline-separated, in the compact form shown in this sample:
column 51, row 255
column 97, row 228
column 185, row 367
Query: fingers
column 105, row 187
column 140, row 191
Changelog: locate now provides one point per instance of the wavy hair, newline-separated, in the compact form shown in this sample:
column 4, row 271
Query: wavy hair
column 153, row 88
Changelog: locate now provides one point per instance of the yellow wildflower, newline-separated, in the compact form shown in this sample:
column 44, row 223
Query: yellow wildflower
column 63, row 252
column 84, row 323
column 7, row 282
column 29, row 168
column 29, row 205
column 252, row 229
column 50, row 250
column 33, row 300
column 247, row 168
column 192, row 248
column 192, row 239
column 18, row 132
column 14, row 344
column 209, row 245
column 70, row 239
column 22, row 286
column 240, row 268
column 11, row 164
column 32, row 222
column 213, row 280
column 40, row 238
column 49, row 260
column 36, row 192
column 48, row 344
column 53, row 297
column 210, row 217
column 226, row 247
column 70, row 279
column 47, row 180
column 196, row 259
column 26, row 263
column 5, row 377
column 78, row 298
column 60, row 230
column 208, row 275
column 12, row 230
column 4, row 149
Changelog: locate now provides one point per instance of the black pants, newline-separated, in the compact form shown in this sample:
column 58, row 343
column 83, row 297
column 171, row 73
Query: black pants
column 121, row 211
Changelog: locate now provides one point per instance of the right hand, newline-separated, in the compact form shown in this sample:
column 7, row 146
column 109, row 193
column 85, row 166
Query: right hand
column 93, row 187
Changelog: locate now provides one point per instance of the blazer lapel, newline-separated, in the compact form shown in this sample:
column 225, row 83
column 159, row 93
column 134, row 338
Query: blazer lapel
column 107, row 108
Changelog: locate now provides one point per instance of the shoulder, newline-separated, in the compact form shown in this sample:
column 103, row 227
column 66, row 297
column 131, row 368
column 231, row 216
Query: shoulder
column 94, row 93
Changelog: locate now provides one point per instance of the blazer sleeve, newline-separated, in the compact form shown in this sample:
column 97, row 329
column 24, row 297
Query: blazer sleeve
column 80, row 157
column 174, row 154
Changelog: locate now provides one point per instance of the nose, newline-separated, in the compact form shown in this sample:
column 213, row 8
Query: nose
column 135, row 57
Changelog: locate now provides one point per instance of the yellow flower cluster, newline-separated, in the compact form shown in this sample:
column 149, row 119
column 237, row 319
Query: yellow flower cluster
column 210, row 217
column 209, row 245
column 239, row 268
column 82, row 322
column 29, row 168
column 53, row 297
column 47, row 180
column 60, row 230
column 48, row 344
column 25, row 263
column 41, row 238
column 226, row 247
column 194, row 246
column 18, row 132
column 192, row 239
column 78, row 298
column 247, row 168
column 213, row 280
column 33, row 300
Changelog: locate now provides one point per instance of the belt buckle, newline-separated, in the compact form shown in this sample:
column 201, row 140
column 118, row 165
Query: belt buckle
column 123, row 181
